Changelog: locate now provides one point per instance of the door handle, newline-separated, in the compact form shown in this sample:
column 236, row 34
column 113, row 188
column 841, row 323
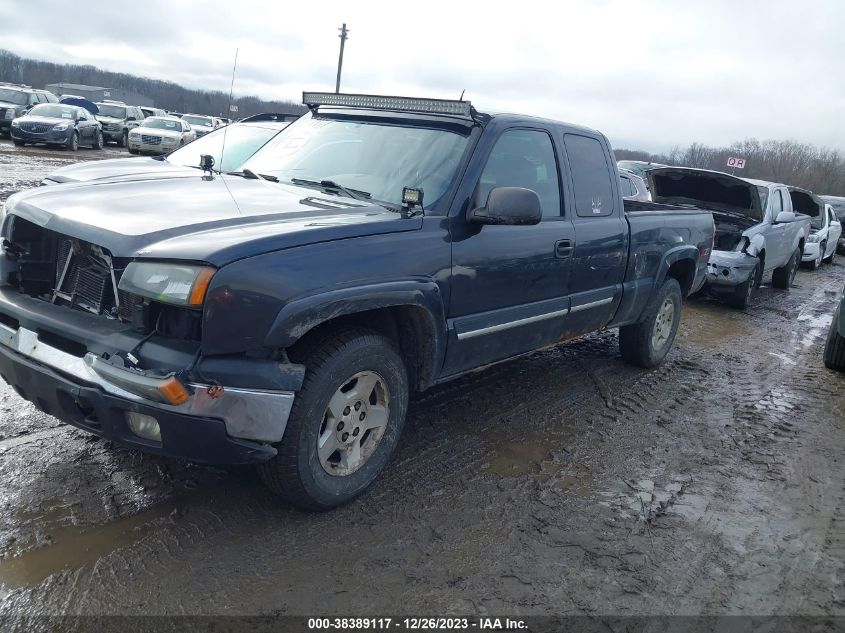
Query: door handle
column 563, row 248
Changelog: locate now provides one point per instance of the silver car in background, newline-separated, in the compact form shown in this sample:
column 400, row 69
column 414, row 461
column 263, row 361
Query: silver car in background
column 160, row 135
column 633, row 187
column 200, row 124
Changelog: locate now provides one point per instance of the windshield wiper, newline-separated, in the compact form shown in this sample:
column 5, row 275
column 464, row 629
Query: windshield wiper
column 355, row 194
column 248, row 173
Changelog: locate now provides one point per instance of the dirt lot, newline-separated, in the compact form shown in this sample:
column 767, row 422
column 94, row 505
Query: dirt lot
column 563, row 483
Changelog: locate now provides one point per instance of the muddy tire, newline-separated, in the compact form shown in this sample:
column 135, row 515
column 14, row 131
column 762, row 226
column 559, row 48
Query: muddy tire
column 98, row 141
column 18, row 143
column 349, row 375
column 646, row 343
column 744, row 293
column 784, row 276
column 834, row 349
column 830, row 259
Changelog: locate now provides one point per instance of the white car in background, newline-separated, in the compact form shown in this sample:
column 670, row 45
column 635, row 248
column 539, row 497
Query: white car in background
column 200, row 124
column 825, row 231
column 160, row 135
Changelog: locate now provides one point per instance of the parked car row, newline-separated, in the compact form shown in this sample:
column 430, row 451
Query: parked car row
column 761, row 227
column 82, row 122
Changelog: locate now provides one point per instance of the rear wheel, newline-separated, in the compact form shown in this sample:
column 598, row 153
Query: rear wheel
column 834, row 349
column 784, row 276
column 646, row 343
column 345, row 422
column 744, row 293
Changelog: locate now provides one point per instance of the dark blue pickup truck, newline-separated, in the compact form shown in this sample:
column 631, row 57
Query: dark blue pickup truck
column 282, row 314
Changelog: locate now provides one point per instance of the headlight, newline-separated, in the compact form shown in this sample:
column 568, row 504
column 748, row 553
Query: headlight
column 15, row 124
column 134, row 134
column 178, row 284
column 60, row 127
column 814, row 237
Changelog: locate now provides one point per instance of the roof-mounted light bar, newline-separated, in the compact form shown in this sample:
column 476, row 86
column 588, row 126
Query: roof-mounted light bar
column 378, row 102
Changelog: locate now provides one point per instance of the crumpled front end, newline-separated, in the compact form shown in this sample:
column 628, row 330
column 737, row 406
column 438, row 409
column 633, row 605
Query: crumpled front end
column 726, row 270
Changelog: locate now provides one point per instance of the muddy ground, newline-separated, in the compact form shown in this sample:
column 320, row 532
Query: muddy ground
column 566, row 482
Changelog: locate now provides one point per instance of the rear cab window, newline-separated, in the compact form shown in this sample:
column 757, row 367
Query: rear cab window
column 591, row 176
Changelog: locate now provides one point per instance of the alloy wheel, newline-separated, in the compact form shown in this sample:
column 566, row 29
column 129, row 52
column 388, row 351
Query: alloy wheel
column 353, row 423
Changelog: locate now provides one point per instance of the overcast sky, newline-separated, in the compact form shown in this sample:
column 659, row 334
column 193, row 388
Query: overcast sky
column 649, row 74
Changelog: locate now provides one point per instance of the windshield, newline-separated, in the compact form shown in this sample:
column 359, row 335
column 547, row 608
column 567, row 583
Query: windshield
column 375, row 157
column 162, row 124
column 197, row 120
column 838, row 205
column 118, row 112
column 242, row 141
column 54, row 111
column 13, row 96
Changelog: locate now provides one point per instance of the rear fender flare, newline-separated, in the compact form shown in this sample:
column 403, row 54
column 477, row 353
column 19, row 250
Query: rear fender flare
column 674, row 255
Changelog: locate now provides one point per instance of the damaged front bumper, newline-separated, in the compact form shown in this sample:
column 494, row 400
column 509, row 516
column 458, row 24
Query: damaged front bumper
column 727, row 270
column 811, row 251
column 238, row 424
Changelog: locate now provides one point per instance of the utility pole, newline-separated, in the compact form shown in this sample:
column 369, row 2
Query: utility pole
column 343, row 34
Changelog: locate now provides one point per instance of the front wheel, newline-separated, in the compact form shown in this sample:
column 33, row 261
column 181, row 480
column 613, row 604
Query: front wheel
column 744, row 293
column 18, row 143
column 74, row 142
column 345, row 423
column 784, row 276
column 646, row 343
column 123, row 141
column 98, row 141
column 817, row 262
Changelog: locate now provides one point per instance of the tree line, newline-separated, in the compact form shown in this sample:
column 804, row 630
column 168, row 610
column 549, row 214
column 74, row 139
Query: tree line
column 818, row 169
column 165, row 94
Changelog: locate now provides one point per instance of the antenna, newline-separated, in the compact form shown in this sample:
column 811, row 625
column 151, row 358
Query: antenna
column 462, row 94
column 226, row 129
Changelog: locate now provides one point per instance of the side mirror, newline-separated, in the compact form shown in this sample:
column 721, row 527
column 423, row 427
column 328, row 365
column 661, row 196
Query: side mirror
column 513, row 206
column 785, row 216
column 131, row 118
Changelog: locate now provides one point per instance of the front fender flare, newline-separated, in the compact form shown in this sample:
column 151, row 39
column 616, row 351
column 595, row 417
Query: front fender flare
column 301, row 315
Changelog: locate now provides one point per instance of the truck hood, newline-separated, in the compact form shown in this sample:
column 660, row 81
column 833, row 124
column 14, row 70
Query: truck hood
column 216, row 220
column 707, row 189
column 91, row 170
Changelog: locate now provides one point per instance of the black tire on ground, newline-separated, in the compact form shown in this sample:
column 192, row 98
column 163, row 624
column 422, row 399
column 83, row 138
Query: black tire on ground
column 744, row 293
column 74, row 142
column 834, row 349
column 133, row 151
column 831, row 258
column 98, row 141
column 123, row 141
column 332, row 359
column 784, row 276
column 18, row 143
column 817, row 263
column 639, row 343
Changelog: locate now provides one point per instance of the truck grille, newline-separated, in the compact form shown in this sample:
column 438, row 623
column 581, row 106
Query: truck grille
column 150, row 140
column 36, row 128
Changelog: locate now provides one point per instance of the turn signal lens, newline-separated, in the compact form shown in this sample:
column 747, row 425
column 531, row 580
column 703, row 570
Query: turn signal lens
column 174, row 391
column 200, row 287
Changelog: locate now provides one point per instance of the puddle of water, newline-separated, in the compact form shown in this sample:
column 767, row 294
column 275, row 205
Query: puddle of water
column 812, row 327
column 705, row 324
column 514, row 458
column 73, row 547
